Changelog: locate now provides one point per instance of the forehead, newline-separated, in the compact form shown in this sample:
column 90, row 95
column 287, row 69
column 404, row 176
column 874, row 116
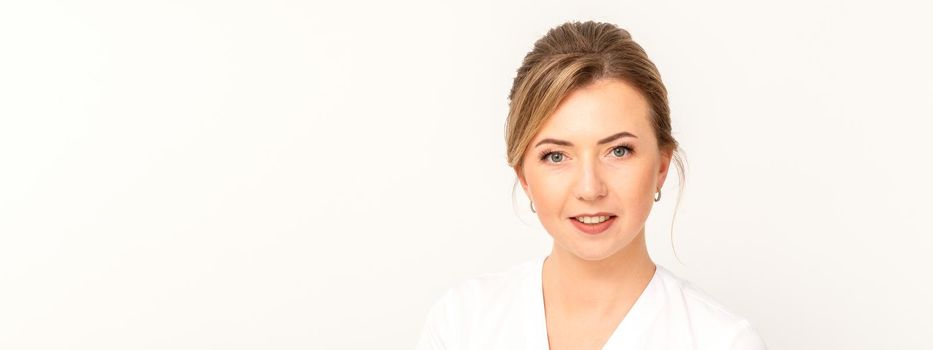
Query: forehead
column 596, row 110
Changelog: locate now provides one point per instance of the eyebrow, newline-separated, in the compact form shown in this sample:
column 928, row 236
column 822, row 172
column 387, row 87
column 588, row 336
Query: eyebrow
column 605, row 140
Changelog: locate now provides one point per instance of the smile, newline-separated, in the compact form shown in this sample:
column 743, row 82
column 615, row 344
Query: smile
column 593, row 224
column 591, row 219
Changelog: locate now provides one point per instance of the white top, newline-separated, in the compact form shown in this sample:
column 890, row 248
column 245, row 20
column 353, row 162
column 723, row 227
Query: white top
column 505, row 310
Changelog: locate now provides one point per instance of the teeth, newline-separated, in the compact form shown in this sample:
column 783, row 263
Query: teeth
column 591, row 219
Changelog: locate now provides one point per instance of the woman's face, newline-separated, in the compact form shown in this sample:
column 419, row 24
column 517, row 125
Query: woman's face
column 596, row 154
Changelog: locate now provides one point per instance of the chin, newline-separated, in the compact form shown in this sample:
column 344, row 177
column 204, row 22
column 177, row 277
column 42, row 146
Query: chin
column 592, row 256
column 596, row 248
column 592, row 251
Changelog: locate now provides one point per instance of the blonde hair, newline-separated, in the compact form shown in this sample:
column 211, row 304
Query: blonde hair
column 573, row 55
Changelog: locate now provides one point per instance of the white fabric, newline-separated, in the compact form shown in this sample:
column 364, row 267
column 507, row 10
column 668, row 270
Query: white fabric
column 505, row 310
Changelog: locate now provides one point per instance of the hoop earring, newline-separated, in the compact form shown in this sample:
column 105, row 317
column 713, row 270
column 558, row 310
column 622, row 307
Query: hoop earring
column 658, row 197
column 532, row 204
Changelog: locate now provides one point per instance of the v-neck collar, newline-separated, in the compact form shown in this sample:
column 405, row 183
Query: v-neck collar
column 638, row 318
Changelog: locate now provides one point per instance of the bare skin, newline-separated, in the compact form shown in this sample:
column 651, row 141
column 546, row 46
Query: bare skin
column 590, row 282
column 585, row 302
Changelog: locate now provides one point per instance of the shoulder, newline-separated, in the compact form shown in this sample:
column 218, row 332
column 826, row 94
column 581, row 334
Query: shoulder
column 709, row 321
column 472, row 302
column 492, row 286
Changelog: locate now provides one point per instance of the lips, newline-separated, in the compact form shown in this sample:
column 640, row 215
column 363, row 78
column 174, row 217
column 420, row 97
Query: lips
column 594, row 229
column 602, row 213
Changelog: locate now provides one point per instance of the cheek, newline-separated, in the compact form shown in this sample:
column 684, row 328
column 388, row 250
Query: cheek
column 553, row 192
column 634, row 186
column 549, row 190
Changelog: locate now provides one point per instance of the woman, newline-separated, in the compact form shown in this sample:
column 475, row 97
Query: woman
column 589, row 138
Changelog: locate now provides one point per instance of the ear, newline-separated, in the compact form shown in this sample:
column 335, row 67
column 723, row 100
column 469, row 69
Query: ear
column 521, row 179
column 665, row 165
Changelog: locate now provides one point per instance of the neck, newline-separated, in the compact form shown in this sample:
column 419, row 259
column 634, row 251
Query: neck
column 577, row 285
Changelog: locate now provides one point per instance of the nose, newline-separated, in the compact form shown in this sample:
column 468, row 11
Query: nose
column 590, row 185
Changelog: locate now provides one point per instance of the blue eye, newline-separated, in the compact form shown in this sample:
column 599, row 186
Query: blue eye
column 556, row 157
column 623, row 148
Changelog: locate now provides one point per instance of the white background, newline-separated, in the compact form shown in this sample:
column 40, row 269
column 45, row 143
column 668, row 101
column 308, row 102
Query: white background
column 302, row 175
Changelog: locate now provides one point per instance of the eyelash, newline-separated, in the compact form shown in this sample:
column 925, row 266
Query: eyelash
column 547, row 152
